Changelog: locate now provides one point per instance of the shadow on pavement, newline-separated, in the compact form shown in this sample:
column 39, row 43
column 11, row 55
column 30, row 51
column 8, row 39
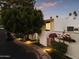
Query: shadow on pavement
column 11, row 50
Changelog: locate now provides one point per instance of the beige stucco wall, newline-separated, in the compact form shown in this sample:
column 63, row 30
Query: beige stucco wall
column 61, row 23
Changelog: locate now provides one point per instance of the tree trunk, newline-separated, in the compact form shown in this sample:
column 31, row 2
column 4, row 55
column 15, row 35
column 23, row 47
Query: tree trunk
column 27, row 38
column 32, row 37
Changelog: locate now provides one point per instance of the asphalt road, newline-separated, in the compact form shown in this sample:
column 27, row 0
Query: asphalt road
column 12, row 50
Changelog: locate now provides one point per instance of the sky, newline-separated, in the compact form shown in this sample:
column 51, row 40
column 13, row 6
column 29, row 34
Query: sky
column 57, row 7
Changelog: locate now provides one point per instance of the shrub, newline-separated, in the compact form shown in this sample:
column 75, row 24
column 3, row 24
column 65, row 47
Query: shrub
column 19, row 35
column 61, row 47
column 58, row 55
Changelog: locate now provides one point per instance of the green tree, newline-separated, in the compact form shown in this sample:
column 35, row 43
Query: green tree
column 15, row 13
column 35, row 22
column 12, row 21
column 0, row 20
column 19, row 16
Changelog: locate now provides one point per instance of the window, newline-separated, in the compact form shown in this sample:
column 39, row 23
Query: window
column 48, row 26
column 70, row 28
column 75, row 29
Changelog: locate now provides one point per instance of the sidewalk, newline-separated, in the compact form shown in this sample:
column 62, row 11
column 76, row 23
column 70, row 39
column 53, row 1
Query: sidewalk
column 38, row 50
column 43, row 54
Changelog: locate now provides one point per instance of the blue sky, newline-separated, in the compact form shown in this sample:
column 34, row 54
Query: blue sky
column 57, row 7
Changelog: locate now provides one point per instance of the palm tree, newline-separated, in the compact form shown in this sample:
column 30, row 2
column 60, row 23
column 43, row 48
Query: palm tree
column 74, row 13
column 70, row 14
column 57, row 16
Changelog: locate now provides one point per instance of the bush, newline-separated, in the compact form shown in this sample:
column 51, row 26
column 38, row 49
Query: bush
column 58, row 55
column 19, row 35
column 61, row 47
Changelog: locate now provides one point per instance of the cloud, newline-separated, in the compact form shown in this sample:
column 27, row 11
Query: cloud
column 46, row 5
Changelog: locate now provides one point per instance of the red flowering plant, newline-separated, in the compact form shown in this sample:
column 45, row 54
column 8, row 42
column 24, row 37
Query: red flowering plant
column 53, row 36
column 66, row 37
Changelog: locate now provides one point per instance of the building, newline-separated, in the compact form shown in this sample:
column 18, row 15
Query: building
column 58, row 25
